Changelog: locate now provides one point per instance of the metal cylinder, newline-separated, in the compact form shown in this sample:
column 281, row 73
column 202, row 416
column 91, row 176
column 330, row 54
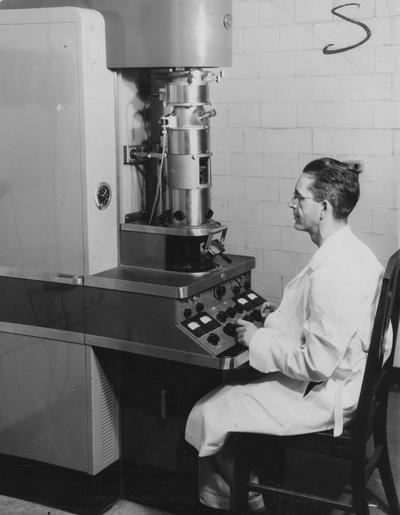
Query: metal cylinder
column 189, row 172
column 194, row 204
column 184, row 94
column 188, row 152
column 188, row 141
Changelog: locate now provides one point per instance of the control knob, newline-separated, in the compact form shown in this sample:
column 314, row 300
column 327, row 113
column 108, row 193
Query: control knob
column 220, row 291
column 213, row 338
column 249, row 317
column 187, row 312
column 167, row 216
column 199, row 307
column 257, row 315
column 230, row 329
column 179, row 215
column 231, row 311
column 222, row 316
column 209, row 214
column 239, row 308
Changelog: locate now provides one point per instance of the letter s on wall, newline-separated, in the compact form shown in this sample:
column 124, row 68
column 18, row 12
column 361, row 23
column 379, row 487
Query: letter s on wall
column 328, row 50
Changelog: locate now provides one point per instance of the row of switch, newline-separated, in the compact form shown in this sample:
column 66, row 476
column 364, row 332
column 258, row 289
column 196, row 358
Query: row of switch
column 187, row 312
column 230, row 328
column 220, row 290
column 222, row 315
column 254, row 316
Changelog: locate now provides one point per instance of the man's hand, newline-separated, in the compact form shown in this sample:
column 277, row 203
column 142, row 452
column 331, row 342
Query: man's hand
column 245, row 331
column 267, row 308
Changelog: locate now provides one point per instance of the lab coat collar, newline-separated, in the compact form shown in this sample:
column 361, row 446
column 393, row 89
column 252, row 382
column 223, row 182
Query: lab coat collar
column 335, row 241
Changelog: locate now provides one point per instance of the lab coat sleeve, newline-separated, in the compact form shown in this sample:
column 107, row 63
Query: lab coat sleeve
column 336, row 307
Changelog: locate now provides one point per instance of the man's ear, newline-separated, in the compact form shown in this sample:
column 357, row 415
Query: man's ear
column 326, row 208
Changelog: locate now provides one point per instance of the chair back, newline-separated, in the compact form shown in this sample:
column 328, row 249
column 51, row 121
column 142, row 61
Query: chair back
column 372, row 405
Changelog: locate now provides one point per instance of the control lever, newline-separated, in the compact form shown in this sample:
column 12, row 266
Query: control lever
column 207, row 114
column 215, row 247
column 226, row 258
column 215, row 241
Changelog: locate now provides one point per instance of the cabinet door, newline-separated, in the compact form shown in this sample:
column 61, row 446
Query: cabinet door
column 43, row 405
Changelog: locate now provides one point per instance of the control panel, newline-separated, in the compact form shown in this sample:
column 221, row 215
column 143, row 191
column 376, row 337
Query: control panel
column 211, row 317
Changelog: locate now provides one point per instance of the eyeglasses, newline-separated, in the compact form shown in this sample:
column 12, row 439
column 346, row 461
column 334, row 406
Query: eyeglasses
column 296, row 197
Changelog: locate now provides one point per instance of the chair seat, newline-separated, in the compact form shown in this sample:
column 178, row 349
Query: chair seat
column 324, row 442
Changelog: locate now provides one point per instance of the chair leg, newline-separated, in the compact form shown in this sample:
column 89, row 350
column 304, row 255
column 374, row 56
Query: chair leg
column 239, row 492
column 384, row 467
column 278, row 503
column 358, row 484
column 385, row 471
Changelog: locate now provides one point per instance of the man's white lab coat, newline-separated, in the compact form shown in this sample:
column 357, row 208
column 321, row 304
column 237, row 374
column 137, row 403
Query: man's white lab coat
column 320, row 332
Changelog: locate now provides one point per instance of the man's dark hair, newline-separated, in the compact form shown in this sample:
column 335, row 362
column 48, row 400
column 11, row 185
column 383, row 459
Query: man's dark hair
column 336, row 182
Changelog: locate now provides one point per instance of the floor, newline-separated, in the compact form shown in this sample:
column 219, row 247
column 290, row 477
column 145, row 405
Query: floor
column 104, row 489
column 11, row 506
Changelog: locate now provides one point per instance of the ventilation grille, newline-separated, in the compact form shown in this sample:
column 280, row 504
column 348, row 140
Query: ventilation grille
column 109, row 416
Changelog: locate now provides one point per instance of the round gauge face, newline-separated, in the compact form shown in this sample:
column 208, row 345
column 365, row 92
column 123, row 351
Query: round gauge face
column 103, row 195
column 228, row 21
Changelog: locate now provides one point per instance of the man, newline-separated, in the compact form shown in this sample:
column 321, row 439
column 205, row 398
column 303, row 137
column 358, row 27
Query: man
column 312, row 348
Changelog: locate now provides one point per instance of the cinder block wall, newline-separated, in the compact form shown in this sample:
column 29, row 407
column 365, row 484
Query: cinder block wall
column 283, row 103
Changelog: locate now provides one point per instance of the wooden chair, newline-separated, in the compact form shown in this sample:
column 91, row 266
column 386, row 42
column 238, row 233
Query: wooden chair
column 367, row 430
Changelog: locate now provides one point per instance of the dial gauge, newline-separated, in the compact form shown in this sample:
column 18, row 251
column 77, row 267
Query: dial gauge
column 103, row 195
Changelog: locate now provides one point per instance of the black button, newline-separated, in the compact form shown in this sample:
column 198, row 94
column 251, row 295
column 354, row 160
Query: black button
column 257, row 315
column 230, row 329
column 199, row 307
column 220, row 291
column 222, row 316
column 213, row 338
column 187, row 312
column 236, row 289
column 179, row 215
column 231, row 311
column 247, row 285
column 249, row 317
column 168, row 217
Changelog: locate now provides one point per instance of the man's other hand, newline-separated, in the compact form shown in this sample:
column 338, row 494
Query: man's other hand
column 245, row 331
column 267, row 308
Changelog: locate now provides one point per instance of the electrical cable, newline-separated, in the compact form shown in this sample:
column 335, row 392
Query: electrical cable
column 159, row 176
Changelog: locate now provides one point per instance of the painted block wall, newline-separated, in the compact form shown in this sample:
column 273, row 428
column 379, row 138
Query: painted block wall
column 283, row 103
